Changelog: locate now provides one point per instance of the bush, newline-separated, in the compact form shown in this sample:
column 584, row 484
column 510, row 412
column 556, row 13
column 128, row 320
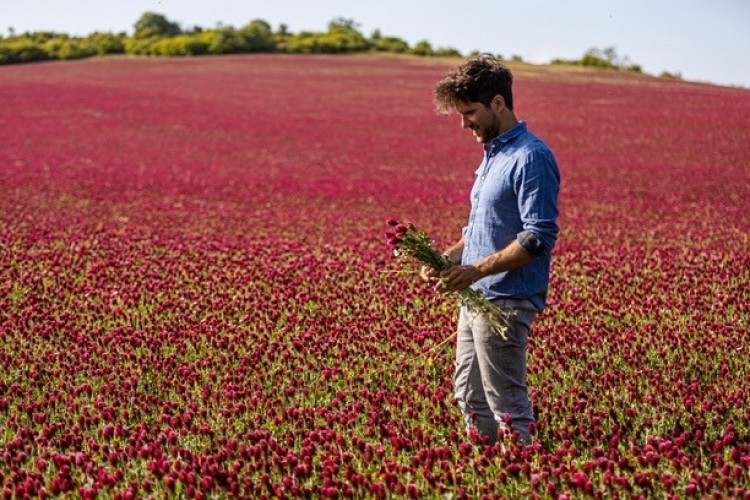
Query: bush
column 422, row 48
column 140, row 46
column 181, row 45
column 307, row 43
column 670, row 76
column 602, row 58
column 596, row 62
column 346, row 41
column 326, row 43
column 65, row 48
column 341, row 37
column 390, row 44
column 20, row 50
column 447, row 52
column 42, row 46
column 635, row 68
column 568, row 62
column 223, row 41
column 105, row 43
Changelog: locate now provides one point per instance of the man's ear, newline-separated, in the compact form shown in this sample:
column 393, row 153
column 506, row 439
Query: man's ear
column 498, row 103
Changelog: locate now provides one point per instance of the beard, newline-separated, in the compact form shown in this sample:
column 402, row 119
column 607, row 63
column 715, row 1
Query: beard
column 487, row 133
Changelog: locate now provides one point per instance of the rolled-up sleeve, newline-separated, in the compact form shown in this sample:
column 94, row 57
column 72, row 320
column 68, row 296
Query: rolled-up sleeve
column 537, row 185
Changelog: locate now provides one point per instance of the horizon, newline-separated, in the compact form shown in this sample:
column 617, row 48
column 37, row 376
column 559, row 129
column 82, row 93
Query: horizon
column 663, row 37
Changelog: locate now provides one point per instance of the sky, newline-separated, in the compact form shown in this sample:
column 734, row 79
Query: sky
column 707, row 41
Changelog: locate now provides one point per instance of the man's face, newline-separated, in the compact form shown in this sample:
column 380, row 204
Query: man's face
column 482, row 120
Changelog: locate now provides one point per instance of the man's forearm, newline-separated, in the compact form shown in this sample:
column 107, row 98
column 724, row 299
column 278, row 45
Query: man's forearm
column 459, row 277
column 510, row 257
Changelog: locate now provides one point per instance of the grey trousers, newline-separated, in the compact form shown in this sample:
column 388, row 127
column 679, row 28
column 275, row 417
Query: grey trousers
column 490, row 376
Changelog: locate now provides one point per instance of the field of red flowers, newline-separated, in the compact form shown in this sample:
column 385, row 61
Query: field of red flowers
column 196, row 299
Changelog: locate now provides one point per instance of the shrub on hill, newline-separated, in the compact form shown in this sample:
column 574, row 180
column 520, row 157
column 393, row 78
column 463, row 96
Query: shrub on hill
column 670, row 76
column 601, row 58
column 421, row 48
column 21, row 49
column 342, row 37
column 43, row 46
column 391, row 44
column 106, row 43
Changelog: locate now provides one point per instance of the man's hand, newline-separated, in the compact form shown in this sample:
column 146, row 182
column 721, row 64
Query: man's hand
column 457, row 278
column 429, row 274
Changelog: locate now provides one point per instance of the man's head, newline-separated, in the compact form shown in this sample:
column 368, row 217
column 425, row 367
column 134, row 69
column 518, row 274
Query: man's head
column 480, row 90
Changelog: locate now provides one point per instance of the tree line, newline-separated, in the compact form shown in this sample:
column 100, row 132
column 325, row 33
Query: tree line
column 155, row 35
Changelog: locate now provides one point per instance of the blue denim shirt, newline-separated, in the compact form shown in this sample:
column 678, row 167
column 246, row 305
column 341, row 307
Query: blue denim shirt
column 514, row 197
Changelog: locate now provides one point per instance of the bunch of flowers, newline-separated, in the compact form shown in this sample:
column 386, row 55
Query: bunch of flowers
column 405, row 240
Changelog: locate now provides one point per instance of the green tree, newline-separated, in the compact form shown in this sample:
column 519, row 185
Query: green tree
column 180, row 45
column 140, row 46
column 152, row 24
column 259, row 36
column 447, row 52
column 391, row 44
column 281, row 36
column 63, row 47
column 106, row 43
column 343, row 24
column 422, row 48
column 223, row 41
column 343, row 36
column 21, row 49
column 670, row 76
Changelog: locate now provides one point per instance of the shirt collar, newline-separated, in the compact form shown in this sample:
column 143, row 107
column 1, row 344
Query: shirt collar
column 506, row 136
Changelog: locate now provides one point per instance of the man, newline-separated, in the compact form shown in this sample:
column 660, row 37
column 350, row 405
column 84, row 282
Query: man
column 504, row 250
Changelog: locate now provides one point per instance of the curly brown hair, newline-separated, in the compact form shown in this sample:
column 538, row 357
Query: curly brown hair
column 478, row 80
